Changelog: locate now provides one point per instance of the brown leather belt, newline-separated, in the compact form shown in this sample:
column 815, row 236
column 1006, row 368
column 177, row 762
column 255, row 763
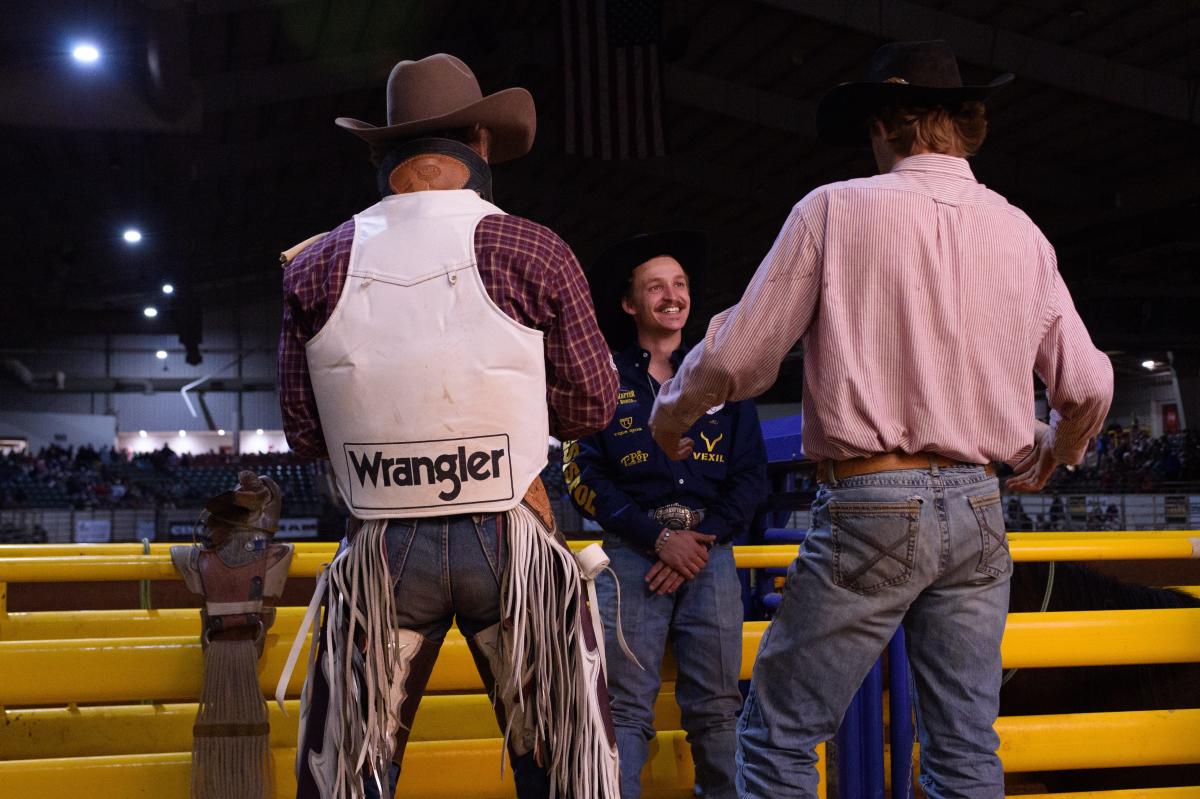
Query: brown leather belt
column 831, row 470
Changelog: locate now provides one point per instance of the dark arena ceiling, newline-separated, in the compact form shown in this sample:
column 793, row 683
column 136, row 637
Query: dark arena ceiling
column 209, row 125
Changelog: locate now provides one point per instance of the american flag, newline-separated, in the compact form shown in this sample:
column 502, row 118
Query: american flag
column 613, row 78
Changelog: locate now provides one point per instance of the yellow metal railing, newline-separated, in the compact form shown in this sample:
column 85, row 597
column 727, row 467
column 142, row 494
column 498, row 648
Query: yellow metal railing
column 326, row 547
column 52, row 625
column 127, row 656
column 169, row 667
column 432, row 770
column 307, row 562
column 1028, row 743
column 158, row 728
column 1130, row 738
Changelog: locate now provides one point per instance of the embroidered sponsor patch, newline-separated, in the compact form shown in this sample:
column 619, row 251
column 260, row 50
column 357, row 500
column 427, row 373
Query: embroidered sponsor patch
column 584, row 497
column 451, row 472
column 627, row 397
column 627, row 427
column 634, row 458
column 710, row 444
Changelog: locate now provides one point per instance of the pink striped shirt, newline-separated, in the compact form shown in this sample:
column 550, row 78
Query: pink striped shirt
column 925, row 302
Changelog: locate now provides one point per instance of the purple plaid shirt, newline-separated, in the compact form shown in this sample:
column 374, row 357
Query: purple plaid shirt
column 529, row 272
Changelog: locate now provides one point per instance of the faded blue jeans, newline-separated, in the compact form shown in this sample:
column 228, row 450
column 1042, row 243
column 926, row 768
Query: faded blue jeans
column 703, row 621
column 922, row 548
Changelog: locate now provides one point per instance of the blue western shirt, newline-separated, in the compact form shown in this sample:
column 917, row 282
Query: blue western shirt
column 616, row 476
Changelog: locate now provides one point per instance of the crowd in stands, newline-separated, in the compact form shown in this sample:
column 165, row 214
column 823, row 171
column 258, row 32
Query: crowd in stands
column 1131, row 461
column 105, row 478
column 1120, row 461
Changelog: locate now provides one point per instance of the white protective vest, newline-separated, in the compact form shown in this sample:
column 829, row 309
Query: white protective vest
column 432, row 399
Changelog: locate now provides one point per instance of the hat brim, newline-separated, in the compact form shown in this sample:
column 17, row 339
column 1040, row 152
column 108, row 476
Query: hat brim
column 509, row 114
column 610, row 273
column 843, row 111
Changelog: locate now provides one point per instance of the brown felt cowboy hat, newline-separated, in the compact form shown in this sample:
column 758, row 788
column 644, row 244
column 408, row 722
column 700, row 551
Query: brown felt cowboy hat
column 901, row 73
column 440, row 92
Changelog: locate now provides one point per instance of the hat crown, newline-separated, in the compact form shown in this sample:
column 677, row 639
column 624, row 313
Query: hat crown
column 930, row 64
column 432, row 87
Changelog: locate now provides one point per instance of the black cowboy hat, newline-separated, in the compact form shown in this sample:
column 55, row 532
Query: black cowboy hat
column 610, row 274
column 901, row 73
column 440, row 92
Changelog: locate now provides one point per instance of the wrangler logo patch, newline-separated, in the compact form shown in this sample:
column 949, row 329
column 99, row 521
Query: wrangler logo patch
column 429, row 474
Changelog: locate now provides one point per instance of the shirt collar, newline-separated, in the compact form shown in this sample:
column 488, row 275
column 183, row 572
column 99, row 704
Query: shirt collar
column 936, row 162
column 640, row 357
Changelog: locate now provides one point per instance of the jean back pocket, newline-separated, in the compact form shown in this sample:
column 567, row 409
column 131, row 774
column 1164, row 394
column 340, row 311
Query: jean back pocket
column 874, row 543
column 398, row 539
column 993, row 541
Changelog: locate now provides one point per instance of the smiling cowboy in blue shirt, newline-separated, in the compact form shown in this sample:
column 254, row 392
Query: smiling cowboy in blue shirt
column 667, row 524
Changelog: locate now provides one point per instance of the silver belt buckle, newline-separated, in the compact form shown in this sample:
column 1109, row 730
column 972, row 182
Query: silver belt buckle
column 677, row 517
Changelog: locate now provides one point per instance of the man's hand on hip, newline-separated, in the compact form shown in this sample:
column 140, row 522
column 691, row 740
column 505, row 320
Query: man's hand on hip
column 1031, row 474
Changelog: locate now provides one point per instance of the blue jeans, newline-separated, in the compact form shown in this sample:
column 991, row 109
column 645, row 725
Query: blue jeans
column 444, row 569
column 918, row 547
column 703, row 619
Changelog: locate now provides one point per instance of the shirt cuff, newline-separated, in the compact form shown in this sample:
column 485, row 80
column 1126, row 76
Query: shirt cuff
column 712, row 524
column 1070, row 453
column 642, row 531
column 668, row 413
column 1069, row 445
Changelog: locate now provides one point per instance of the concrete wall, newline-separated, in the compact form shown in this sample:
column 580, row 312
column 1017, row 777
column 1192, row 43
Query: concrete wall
column 64, row 429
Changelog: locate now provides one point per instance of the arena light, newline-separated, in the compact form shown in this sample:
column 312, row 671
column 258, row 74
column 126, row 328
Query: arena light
column 183, row 434
column 86, row 53
column 1149, row 365
column 150, row 311
column 141, row 434
column 161, row 355
column 167, row 288
column 132, row 235
column 258, row 432
column 221, row 432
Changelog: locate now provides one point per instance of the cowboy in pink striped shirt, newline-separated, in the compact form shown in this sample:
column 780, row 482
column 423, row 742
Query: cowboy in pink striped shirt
column 924, row 302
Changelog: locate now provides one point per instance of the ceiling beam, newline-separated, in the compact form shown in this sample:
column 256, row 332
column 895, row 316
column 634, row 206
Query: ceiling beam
column 990, row 46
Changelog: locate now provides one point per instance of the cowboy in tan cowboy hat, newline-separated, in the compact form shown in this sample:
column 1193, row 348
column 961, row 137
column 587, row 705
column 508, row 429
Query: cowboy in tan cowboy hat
column 430, row 347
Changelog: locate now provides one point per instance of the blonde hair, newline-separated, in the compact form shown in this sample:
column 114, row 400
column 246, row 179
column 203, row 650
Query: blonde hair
column 954, row 130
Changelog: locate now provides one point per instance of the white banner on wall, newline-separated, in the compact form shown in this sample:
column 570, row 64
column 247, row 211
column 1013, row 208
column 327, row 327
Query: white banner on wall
column 93, row 531
column 305, row 527
column 299, row 527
